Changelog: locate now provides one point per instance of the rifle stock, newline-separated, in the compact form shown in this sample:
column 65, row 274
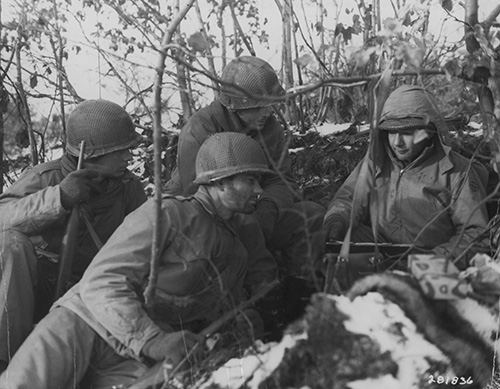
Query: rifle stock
column 69, row 241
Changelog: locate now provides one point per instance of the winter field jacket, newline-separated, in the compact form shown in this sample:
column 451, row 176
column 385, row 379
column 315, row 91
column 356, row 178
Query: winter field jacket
column 32, row 205
column 433, row 203
column 216, row 118
column 205, row 262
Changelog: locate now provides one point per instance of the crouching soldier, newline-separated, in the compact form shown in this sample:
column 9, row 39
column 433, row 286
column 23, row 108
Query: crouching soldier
column 211, row 255
column 419, row 192
column 246, row 105
column 35, row 210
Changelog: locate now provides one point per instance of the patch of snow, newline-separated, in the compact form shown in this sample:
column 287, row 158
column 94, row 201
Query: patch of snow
column 383, row 382
column 386, row 323
column 481, row 318
column 475, row 125
column 331, row 128
column 327, row 129
column 293, row 151
column 252, row 369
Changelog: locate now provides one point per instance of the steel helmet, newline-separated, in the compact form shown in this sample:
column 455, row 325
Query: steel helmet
column 103, row 125
column 253, row 75
column 228, row 153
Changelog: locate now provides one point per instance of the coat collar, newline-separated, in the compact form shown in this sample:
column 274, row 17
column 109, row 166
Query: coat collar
column 445, row 161
column 203, row 198
column 229, row 119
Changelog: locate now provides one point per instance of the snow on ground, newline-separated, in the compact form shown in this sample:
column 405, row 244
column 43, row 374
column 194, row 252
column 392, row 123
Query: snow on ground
column 386, row 381
column 327, row 129
column 371, row 315
column 385, row 322
column 253, row 368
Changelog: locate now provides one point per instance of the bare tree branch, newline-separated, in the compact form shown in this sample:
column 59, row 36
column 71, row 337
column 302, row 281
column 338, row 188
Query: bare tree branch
column 247, row 42
column 492, row 16
column 149, row 292
column 23, row 100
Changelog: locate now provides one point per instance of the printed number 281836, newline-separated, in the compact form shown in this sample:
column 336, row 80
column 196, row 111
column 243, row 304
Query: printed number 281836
column 450, row 380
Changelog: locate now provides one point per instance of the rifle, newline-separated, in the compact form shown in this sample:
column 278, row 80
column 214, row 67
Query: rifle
column 69, row 240
column 364, row 258
column 155, row 376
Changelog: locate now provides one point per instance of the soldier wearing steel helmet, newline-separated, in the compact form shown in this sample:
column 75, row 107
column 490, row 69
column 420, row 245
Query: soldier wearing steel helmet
column 34, row 212
column 213, row 256
column 250, row 89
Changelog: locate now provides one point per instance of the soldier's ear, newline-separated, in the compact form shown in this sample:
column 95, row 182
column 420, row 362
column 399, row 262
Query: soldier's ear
column 220, row 184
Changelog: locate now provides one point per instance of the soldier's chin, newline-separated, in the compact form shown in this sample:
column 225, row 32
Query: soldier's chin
column 402, row 156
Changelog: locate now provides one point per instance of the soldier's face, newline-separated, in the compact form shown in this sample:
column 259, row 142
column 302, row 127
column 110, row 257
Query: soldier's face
column 241, row 193
column 110, row 165
column 407, row 145
column 255, row 118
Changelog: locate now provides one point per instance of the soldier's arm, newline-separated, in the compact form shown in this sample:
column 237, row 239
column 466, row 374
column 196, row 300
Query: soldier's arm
column 262, row 267
column 280, row 190
column 468, row 213
column 337, row 217
column 112, row 286
column 31, row 205
column 193, row 134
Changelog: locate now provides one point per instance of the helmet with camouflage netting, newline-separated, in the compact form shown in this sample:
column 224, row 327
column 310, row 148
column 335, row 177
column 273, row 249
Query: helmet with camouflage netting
column 249, row 82
column 103, row 125
column 229, row 153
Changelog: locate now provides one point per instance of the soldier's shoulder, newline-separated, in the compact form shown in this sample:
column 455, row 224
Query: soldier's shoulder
column 167, row 197
column 47, row 167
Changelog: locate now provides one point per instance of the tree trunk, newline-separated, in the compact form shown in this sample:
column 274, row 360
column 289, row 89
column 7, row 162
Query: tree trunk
column 471, row 7
column 25, row 112
column 58, row 57
column 2, row 167
column 220, row 23
column 209, row 54
column 182, row 77
column 286, row 55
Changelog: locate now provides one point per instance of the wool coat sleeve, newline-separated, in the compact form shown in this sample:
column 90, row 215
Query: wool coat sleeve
column 337, row 217
column 467, row 211
column 262, row 267
column 192, row 135
column 112, row 286
column 31, row 205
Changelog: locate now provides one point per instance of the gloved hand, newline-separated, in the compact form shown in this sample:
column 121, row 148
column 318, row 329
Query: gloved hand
column 334, row 229
column 266, row 214
column 249, row 325
column 77, row 187
column 173, row 346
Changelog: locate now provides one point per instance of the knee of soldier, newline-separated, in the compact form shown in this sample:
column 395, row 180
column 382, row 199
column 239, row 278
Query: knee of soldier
column 16, row 247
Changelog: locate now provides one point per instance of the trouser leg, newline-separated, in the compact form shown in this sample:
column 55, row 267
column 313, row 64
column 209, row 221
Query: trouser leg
column 107, row 369
column 54, row 356
column 17, row 280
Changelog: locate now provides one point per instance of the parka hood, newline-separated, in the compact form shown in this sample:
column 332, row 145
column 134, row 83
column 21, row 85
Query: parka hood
column 412, row 106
